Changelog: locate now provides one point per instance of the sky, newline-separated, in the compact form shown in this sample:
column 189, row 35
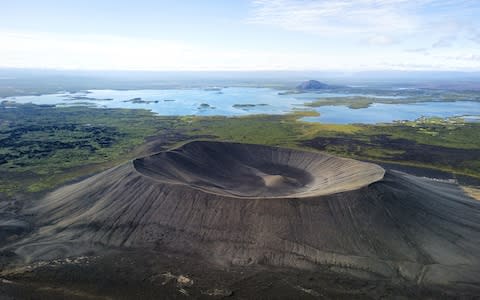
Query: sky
column 201, row 35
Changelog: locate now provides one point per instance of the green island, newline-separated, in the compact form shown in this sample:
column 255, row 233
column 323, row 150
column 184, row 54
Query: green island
column 43, row 147
column 357, row 102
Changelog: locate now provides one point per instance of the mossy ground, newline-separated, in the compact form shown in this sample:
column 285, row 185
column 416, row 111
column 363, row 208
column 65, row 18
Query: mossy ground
column 42, row 147
column 445, row 144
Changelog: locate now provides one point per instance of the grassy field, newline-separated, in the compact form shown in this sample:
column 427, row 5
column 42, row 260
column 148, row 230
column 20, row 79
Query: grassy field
column 42, row 147
column 450, row 145
column 389, row 97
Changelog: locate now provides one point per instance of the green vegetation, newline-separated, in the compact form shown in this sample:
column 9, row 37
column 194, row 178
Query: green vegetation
column 279, row 130
column 42, row 147
column 449, row 132
column 354, row 102
column 445, row 144
column 405, row 97
column 267, row 129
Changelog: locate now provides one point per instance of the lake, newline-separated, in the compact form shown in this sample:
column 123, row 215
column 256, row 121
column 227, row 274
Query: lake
column 386, row 113
column 238, row 101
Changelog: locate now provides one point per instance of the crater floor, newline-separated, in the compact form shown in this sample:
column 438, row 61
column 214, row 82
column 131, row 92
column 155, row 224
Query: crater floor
column 243, row 170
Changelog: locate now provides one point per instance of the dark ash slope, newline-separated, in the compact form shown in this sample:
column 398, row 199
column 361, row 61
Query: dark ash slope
column 316, row 209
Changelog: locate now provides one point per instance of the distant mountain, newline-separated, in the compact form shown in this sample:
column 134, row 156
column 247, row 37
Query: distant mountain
column 312, row 85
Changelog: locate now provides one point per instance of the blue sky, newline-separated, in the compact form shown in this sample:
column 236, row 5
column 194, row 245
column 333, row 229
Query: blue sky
column 347, row 35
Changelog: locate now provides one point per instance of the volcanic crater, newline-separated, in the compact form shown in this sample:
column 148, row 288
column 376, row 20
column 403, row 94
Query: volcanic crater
column 253, row 171
column 240, row 204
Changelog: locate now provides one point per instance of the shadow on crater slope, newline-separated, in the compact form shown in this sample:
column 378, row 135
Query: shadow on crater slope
column 236, row 204
column 253, row 171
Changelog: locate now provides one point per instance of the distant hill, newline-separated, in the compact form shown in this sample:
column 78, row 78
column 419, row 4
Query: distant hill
column 312, row 85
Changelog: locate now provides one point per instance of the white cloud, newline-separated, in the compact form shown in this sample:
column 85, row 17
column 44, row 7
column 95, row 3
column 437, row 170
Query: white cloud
column 462, row 57
column 418, row 50
column 104, row 52
column 444, row 42
column 336, row 17
column 381, row 40
column 378, row 22
column 50, row 50
column 34, row 49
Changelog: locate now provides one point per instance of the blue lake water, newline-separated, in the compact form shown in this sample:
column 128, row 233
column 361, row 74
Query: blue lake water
column 237, row 101
column 185, row 101
column 385, row 113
